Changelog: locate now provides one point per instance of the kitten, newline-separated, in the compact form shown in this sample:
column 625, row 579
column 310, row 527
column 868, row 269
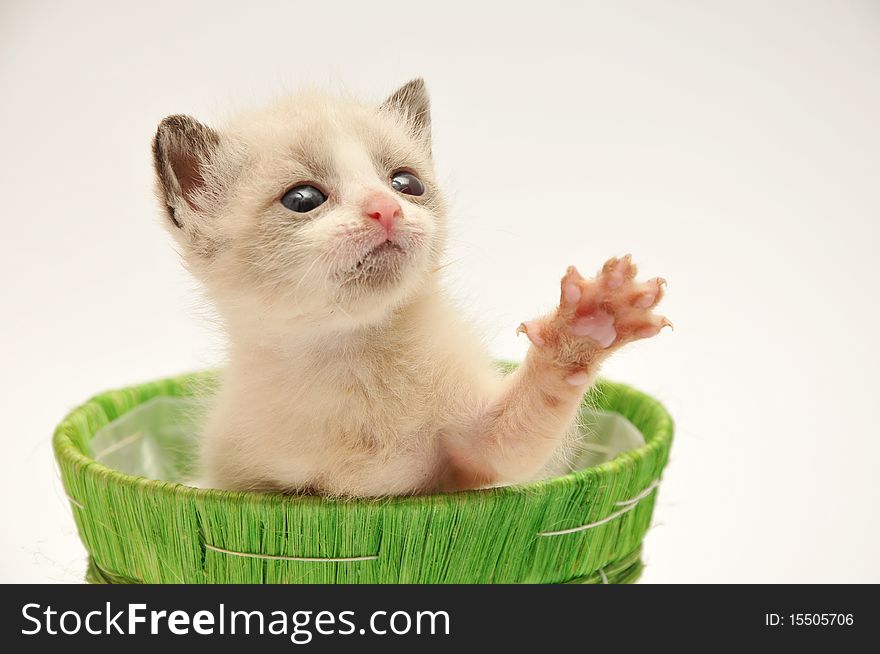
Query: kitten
column 317, row 226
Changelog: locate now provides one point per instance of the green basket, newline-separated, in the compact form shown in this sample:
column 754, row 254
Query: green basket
column 583, row 527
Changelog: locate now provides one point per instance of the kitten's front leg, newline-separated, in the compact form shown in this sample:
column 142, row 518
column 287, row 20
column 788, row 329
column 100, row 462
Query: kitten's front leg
column 518, row 432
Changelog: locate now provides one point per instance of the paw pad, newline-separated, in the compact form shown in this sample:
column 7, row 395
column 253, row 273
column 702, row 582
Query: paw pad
column 612, row 308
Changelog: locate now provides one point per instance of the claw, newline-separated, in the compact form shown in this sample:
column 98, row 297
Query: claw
column 532, row 330
column 617, row 271
column 649, row 298
column 653, row 329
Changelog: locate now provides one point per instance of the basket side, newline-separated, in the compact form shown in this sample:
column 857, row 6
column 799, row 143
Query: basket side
column 139, row 530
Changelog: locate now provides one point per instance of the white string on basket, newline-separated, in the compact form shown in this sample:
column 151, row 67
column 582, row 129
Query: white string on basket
column 628, row 505
column 638, row 498
column 307, row 559
column 125, row 442
column 272, row 557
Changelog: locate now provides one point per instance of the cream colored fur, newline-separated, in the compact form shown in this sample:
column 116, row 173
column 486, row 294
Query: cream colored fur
column 346, row 379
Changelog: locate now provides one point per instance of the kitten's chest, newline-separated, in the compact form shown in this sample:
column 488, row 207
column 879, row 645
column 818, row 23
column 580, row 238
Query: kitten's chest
column 359, row 431
column 364, row 425
column 369, row 410
column 342, row 414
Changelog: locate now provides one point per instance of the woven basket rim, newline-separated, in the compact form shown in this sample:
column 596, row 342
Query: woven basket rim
column 66, row 450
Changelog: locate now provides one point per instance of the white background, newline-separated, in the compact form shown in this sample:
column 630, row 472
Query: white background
column 732, row 147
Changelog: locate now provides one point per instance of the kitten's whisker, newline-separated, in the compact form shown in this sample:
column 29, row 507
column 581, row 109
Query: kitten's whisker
column 446, row 265
column 308, row 271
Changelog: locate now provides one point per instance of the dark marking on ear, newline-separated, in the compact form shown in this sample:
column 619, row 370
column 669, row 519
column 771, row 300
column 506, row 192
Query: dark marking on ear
column 174, row 219
column 182, row 148
column 412, row 102
column 164, row 180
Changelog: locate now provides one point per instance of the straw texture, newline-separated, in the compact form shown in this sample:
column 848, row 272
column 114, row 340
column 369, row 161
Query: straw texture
column 138, row 530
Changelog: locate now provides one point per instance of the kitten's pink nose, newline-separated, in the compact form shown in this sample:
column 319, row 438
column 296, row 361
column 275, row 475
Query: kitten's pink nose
column 381, row 207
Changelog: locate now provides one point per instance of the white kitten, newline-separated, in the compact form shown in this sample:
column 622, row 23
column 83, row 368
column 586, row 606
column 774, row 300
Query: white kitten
column 317, row 227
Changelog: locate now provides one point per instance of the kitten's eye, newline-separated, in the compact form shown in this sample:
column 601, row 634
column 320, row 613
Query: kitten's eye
column 303, row 199
column 404, row 182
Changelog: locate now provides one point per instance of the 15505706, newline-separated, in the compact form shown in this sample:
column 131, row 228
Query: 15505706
column 821, row 619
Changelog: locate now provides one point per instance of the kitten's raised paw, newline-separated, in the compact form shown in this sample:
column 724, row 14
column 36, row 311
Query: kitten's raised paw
column 596, row 316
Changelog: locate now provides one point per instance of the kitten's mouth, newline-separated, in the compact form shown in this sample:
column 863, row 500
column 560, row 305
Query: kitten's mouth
column 381, row 265
column 383, row 249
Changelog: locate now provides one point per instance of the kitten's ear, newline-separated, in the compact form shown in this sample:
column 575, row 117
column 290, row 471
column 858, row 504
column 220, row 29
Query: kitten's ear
column 411, row 101
column 182, row 150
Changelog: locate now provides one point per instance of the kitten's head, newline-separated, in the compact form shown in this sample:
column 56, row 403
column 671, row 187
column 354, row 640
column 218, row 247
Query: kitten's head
column 314, row 210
